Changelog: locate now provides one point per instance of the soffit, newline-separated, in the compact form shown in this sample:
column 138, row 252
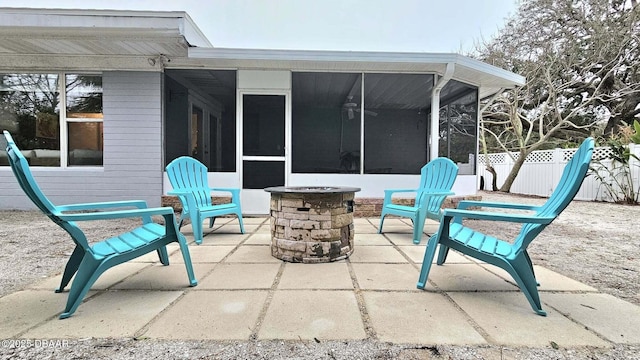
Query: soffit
column 95, row 42
column 96, row 33
column 488, row 78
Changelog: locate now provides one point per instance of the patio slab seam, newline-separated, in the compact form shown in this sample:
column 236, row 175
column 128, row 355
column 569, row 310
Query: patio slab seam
column 267, row 303
column 141, row 331
column 476, row 326
column 459, row 299
column 92, row 294
column 575, row 321
column 362, row 307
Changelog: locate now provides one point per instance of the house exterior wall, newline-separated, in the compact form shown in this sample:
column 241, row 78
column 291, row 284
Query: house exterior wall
column 132, row 107
column 372, row 186
column 133, row 58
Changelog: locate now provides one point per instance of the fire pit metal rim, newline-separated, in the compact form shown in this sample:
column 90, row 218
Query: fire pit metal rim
column 311, row 189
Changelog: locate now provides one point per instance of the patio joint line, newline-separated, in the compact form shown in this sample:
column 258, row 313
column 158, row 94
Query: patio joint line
column 252, row 234
column 267, row 303
column 364, row 313
column 370, row 222
column 568, row 316
column 143, row 330
column 219, row 263
column 488, row 338
column 405, row 256
column 56, row 315
column 148, row 266
column 235, row 248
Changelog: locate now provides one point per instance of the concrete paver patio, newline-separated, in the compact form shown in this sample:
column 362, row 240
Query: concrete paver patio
column 244, row 293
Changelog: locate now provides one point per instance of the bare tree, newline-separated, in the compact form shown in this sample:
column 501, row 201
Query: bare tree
column 582, row 63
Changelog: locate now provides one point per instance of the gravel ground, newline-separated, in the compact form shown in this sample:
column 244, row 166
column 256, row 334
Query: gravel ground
column 594, row 243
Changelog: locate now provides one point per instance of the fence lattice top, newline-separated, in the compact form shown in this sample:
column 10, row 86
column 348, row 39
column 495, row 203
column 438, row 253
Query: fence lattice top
column 542, row 156
column 601, row 153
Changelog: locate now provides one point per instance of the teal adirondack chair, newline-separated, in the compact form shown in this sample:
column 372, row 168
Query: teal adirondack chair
column 88, row 262
column 188, row 177
column 436, row 180
column 510, row 256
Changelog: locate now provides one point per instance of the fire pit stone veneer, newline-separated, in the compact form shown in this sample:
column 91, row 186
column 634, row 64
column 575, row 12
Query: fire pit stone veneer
column 312, row 224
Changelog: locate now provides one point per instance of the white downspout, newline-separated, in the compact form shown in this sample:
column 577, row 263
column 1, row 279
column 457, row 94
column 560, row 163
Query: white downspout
column 435, row 110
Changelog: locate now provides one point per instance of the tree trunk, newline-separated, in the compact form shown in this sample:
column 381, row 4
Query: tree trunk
column 506, row 187
column 494, row 180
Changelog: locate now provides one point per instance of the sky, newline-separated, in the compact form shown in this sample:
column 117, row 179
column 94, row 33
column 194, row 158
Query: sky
column 349, row 25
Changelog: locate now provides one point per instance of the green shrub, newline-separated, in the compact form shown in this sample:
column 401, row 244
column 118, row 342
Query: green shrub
column 616, row 178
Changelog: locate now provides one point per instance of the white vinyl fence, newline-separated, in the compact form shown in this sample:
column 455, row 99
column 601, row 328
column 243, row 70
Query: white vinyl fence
column 542, row 169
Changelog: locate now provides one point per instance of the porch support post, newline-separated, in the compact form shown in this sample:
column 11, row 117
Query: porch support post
column 435, row 110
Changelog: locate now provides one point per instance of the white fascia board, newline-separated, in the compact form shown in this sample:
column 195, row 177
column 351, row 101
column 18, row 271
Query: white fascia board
column 30, row 20
column 316, row 55
column 192, row 32
column 357, row 56
column 478, row 65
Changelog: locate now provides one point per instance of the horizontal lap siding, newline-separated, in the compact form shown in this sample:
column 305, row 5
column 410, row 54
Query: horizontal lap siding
column 132, row 151
column 132, row 136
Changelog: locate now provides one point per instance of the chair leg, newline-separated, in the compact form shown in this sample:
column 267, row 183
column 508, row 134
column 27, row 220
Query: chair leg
column 183, row 216
column 196, row 224
column 184, row 249
column 381, row 222
column 88, row 272
column 521, row 271
column 163, row 255
column 418, row 229
column 212, row 220
column 71, row 268
column 239, row 214
column 442, row 254
column 531, row 266
column 429, row 253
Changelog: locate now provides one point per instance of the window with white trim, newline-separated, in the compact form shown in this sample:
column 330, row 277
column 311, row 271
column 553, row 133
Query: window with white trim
column 30, row 109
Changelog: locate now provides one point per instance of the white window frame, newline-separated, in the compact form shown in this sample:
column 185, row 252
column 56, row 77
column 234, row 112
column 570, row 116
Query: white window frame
column 64, row 121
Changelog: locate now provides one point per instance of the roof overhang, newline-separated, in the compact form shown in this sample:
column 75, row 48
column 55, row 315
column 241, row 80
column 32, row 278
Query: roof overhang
column 108, row 38
column 490, row 79
column 100, row 40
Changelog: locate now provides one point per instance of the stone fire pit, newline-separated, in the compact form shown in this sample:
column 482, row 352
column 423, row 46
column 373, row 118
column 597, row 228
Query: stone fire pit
column 312, row 224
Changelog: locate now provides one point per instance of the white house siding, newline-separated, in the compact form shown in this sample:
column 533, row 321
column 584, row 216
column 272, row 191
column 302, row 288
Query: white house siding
column 132, row 106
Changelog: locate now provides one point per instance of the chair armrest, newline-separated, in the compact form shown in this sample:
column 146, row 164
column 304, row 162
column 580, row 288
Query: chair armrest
column 140, row 204
column 388, row 194
column 400, row 190
column 191, row 204
column 458, row 215
column 118, row 214
column 186, row 192
column 235, row 194
column 231, row 190
column 438, row 193
column 179, row 192
column 464, row 204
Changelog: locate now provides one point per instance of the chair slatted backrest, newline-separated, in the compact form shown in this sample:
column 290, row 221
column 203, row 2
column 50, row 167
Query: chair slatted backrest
column 187, row 173
column 20, row 168
column 572, row 177
column 22, row 172
column 438, row 175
